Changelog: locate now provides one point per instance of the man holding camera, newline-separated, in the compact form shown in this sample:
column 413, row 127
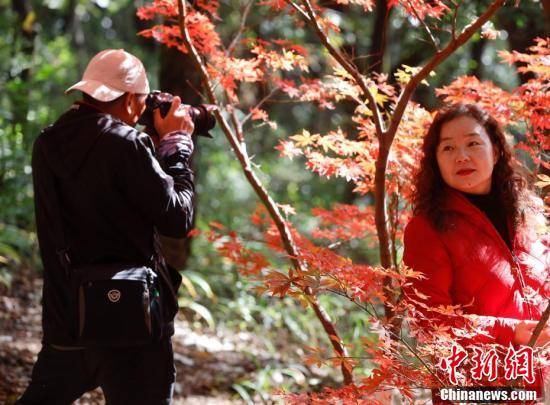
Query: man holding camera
column 102, row 196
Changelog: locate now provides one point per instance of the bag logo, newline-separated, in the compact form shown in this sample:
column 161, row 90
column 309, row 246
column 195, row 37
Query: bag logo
column 113, row 295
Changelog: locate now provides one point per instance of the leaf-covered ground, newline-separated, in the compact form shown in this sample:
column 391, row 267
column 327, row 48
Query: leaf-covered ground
column 208, row 363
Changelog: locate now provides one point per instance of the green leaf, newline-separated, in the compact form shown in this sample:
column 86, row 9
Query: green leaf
column 243, row 393
column 8, row 253
column 189, row 286
column 199, row 309
column 197, row 279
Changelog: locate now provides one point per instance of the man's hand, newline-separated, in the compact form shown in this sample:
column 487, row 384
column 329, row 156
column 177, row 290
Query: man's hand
column 524, row 330
column 177, row 119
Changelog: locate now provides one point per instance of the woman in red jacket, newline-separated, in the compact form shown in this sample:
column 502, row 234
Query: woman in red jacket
column 474, row 233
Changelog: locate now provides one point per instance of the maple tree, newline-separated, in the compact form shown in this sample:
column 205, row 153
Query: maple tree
column 380, row 157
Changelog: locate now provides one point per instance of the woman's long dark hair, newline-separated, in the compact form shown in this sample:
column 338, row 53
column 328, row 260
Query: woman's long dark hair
column 429, row 194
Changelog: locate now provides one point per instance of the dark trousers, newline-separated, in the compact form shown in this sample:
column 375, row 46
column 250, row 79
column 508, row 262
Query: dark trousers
column 129, row 375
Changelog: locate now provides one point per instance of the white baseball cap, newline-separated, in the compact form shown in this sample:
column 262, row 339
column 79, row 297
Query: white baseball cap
column 110, row 74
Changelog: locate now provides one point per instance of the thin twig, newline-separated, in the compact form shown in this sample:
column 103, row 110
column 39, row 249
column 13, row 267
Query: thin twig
column 384, row 33
column 334, row 245
column 455, row 16
column 260, row 103
column 394, row 221
column 242, row 27
column 342, row 294
column 237, row 126
column 421, row 21
column 351, row 357
column 299, row 10
column 399, row 338
column 197, row 91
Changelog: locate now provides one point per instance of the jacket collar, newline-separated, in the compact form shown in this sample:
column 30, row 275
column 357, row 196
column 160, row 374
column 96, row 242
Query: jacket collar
column 85, row 107
column 459, row 203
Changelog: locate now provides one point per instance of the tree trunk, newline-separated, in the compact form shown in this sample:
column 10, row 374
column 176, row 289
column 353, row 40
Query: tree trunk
column 476, row 53
column 379, row 35
column 173, row 66
column 73, row 26
column 546, row 8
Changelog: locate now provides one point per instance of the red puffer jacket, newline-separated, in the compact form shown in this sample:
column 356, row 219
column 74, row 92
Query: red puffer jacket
column 471, row 265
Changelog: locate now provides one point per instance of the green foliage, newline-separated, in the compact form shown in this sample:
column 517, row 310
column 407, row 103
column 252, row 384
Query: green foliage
column 17, row 248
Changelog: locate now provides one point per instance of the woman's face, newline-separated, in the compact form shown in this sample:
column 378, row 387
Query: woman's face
column 466, row 156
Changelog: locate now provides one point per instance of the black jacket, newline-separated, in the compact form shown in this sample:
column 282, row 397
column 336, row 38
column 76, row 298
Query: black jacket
column 113, row 193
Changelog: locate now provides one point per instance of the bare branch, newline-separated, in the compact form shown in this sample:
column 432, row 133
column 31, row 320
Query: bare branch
column 384, row 34
column 299, row 10
column 394, row 221
column 242, row 27
column 197, row 91
column 237, row 126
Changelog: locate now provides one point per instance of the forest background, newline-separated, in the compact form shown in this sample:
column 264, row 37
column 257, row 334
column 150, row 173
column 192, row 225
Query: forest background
column 45, row 47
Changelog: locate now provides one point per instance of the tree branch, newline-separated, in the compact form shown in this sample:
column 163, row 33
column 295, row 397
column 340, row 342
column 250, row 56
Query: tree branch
column 237, row 126
column 455, row 16
column 299, row 10
column 540, row 326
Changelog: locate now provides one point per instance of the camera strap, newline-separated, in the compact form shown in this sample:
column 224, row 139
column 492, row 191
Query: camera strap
column 51, row 194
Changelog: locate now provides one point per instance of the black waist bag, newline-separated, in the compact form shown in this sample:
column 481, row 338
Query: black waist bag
column 118, row 305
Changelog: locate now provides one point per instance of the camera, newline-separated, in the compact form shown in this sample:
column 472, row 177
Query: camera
column 202, row 114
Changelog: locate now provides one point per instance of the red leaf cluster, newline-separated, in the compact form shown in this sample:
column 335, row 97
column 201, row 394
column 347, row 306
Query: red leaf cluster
column 345, row 222
column 421, row 9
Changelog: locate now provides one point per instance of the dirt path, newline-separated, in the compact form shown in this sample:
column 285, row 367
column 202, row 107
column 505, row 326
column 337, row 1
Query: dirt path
column 207, row 362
